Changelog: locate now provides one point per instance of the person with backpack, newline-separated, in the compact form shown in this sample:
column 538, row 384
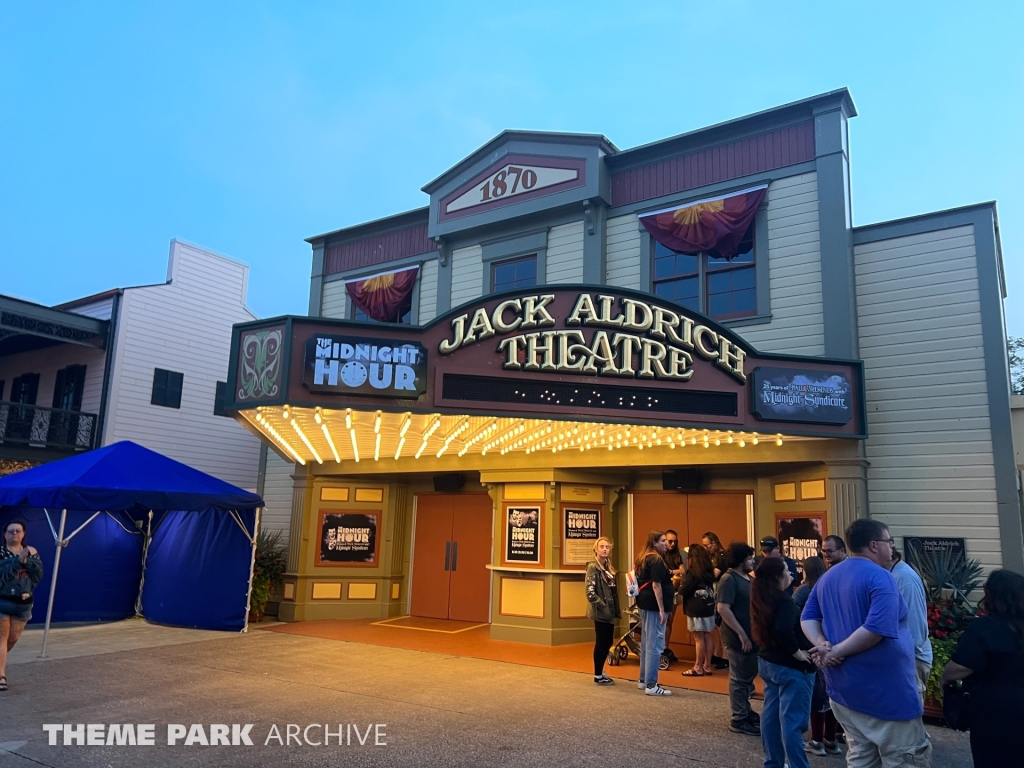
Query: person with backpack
column 698, row 592
column 654, row 599
column 602, row 605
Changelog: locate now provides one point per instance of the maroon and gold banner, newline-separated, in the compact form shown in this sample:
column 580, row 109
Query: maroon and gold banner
column 707, row 225
column 381, row 296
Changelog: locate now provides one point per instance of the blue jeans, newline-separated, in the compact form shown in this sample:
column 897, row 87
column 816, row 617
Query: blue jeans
column 787, row 708
column 652, row 643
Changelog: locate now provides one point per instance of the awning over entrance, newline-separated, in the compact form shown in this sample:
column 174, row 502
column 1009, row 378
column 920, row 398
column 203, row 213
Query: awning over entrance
column 319, row 435
column 577, row 368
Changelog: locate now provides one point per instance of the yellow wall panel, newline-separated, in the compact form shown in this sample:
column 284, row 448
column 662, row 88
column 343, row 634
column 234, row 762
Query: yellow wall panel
column 572, row 600
column 327, row 590
column 522, row 597
column 362, row 591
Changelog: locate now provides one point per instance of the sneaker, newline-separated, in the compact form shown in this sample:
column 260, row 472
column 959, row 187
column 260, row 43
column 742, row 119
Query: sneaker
column 746, row 728
column 658, row 691
column 815, row 748
column 719, row 663
column 754, row 718
column 833, row 748
column 603, row 680
column 641, row 685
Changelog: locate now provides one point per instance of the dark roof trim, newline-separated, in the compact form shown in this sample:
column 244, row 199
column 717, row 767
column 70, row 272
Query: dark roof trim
column 20, row 317
column 916, row 225
column 547, row 137
column 730, row 130
column 411, row 218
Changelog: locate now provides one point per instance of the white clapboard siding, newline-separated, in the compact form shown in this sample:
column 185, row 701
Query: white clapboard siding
column 931, row 470
column 277, row 495
column 334, row 301
column 467, row 275
column 101, row 310
column 622, row 251
column 794, row 271
column 183, row 326
column 46, row 362
column 428, row 292
column 565, row 253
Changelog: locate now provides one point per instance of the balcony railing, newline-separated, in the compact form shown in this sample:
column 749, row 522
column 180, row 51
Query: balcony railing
column 37, row 427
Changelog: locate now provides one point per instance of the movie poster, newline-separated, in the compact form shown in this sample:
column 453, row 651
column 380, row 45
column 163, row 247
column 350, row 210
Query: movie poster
column 522, row 534
column 348, row 538
column 580, row 530
column 800, row 537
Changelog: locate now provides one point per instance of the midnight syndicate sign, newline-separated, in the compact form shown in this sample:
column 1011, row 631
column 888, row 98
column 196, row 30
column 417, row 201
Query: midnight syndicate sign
column 345, row 365
column 815, row 397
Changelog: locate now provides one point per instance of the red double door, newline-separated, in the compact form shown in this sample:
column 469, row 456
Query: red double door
column 451, row 550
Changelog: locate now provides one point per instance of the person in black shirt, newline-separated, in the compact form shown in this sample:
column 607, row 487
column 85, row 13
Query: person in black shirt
column 698, row 592
column 654, row 600
column 989, row 658
column 675, row 561
column 770, row 548
column 20, row 572
column 784, row 663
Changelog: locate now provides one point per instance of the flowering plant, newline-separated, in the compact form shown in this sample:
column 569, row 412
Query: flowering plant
column 948, row 618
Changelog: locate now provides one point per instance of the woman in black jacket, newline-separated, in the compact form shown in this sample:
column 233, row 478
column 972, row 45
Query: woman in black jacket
column 698, row 591
column 603, row 605
column 783, row 663
column 20, row 572
column 989, row 658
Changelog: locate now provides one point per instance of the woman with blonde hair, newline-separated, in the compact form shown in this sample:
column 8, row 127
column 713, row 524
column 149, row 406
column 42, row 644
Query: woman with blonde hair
column 602, row 605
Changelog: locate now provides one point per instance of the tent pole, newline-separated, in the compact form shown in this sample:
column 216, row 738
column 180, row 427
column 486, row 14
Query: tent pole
column 252, row 566
column 53, row 581
column 145, row 552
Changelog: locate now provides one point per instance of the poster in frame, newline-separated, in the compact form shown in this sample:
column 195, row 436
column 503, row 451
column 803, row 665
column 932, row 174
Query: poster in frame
column 801, row 534
column 581, row 527
column 522, row 544
column 348, row 538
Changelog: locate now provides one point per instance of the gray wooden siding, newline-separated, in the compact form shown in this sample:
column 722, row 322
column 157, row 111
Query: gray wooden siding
column 184, row 326
column 467, row 274
column 623, row 252
column 277, row 495
column 565, row 254
column 334, row 302
column 794, row 268
column 931, row 467
column 428, row 292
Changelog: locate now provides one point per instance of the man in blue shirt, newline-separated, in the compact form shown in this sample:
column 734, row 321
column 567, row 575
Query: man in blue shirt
column 857, row 620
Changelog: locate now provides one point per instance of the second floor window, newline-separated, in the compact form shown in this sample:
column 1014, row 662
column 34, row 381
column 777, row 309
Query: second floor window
column 515, row 273
column 719, row 288
column 402, row 315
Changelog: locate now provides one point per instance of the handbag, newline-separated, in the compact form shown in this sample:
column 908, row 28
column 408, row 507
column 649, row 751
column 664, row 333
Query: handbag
column 956, row 706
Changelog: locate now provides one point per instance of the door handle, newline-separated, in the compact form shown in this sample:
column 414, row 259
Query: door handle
column 455, row 555
column 447, row 555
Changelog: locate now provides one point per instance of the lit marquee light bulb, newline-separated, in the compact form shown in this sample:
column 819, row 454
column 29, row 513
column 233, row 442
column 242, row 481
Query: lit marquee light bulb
column 754, row 439
column 778, row 439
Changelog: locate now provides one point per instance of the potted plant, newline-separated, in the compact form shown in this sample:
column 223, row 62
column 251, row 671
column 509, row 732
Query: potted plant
column 949, row 579
column 269, row 567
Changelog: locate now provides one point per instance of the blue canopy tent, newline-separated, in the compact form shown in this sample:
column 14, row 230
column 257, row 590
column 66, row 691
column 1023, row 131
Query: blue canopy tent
column 167, row 544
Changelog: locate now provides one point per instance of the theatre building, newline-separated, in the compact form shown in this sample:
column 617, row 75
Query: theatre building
column 574, row 340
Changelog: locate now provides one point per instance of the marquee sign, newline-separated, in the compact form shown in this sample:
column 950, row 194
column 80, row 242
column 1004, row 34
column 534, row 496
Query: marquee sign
column 620, row 337
column 581, row 352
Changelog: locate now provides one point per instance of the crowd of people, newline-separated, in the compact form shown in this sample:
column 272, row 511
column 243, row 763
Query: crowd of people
column 841, row 644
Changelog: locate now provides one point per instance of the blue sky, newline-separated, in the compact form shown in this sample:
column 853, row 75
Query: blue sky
column 247, row 127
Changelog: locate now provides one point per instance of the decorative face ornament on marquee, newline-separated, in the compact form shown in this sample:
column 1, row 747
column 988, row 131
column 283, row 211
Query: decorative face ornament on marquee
column 649, row 342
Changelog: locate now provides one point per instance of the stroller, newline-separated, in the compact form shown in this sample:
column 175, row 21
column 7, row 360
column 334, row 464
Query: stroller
column 630, row 643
